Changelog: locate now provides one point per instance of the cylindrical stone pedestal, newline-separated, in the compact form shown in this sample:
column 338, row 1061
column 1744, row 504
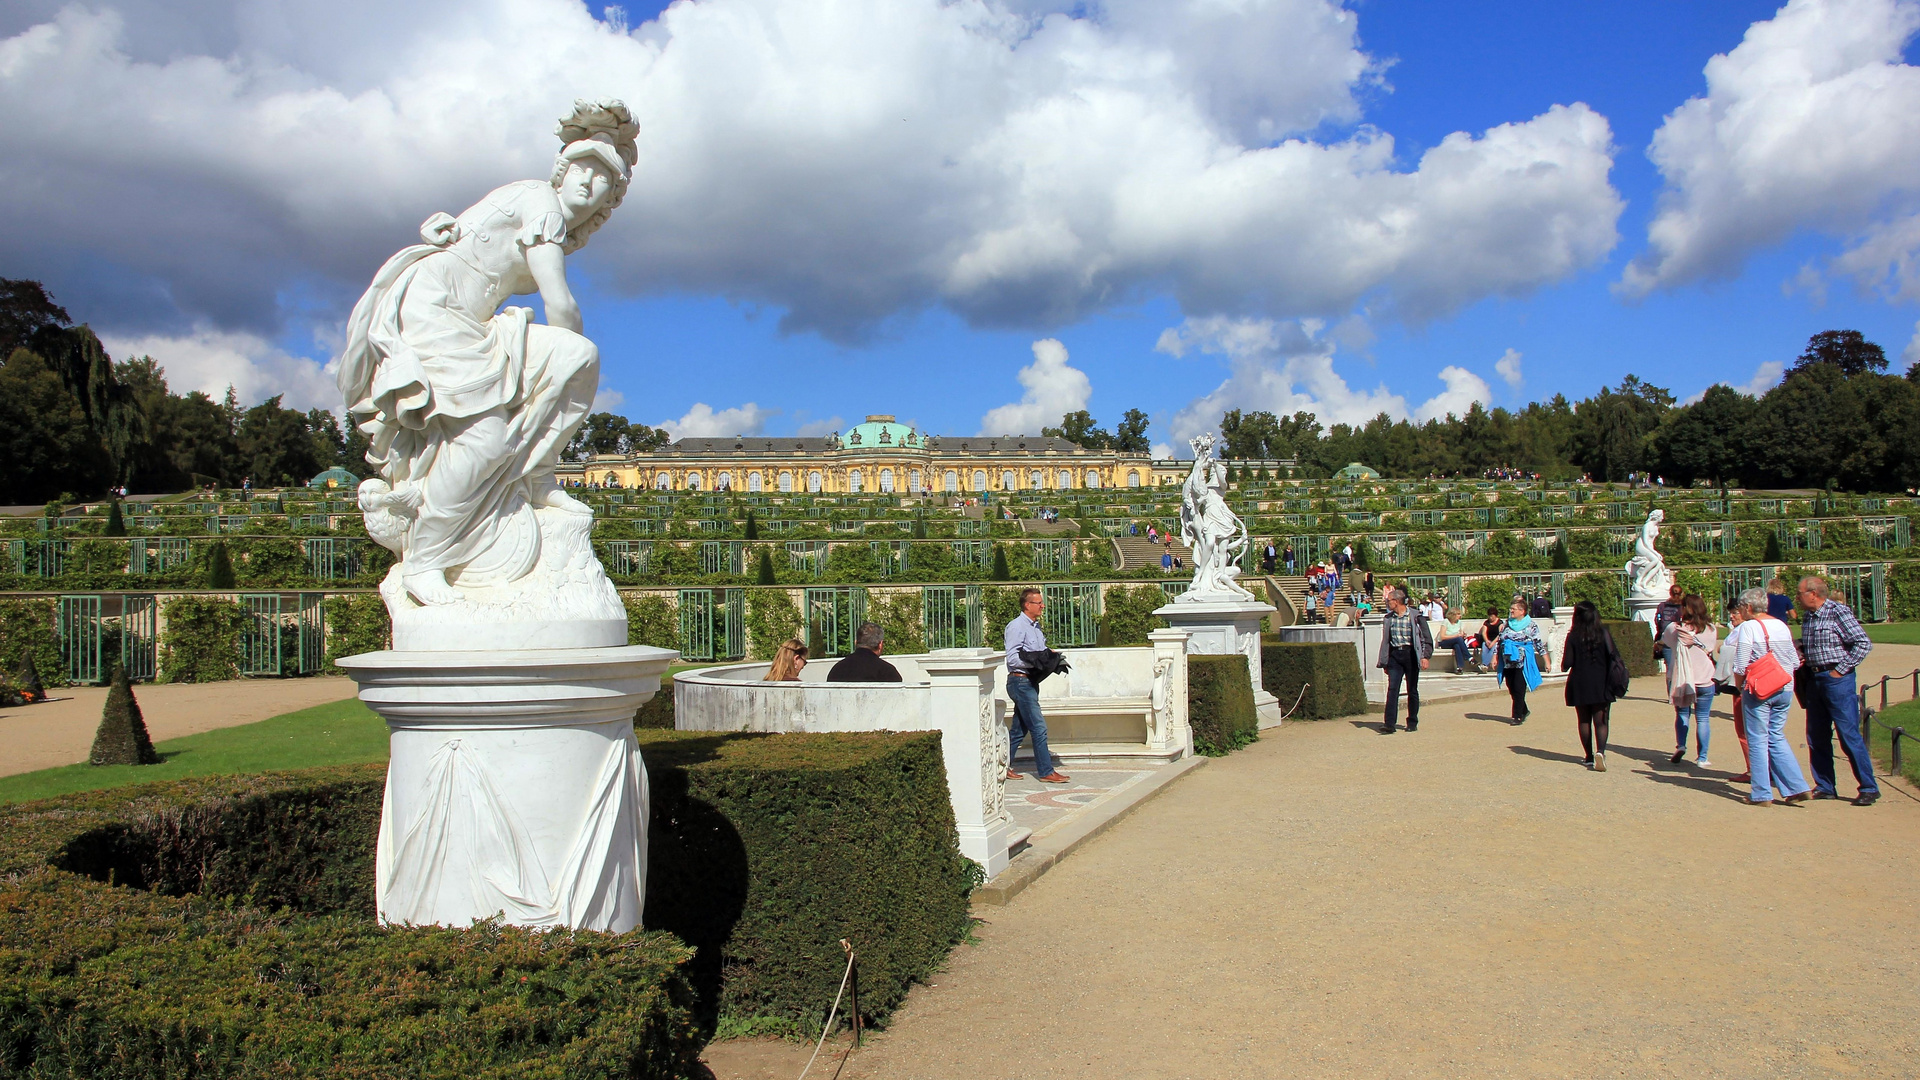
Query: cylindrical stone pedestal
column 515, row 788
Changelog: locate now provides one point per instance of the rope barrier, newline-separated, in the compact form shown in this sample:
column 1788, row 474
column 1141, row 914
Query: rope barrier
column 1871, row 716
column 827, row 1028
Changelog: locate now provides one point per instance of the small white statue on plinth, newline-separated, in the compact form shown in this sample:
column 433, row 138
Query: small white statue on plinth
column 1648, row 579
column 1215, row 533
column 1218, row 614
column 515, row 787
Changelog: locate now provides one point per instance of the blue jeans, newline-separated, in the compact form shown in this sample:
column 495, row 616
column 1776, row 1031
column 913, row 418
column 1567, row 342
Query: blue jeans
column 1460, row 651
column 1027, row 720
column 1834, row 704
column 1702, row 730
column 1769, row 758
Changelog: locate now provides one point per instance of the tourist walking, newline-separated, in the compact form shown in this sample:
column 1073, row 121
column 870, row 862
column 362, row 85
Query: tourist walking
column 863, row 664
column 1779, row 604
column 1267, row 557
column 1833, row 645
column 787, row 662
column 1764, row 660
column 1406, row 643
column 1587, row 658
column 1520, row 644
column 1024, row 635
column 1287, row 555
column 1665, row 615
column 1690, row 643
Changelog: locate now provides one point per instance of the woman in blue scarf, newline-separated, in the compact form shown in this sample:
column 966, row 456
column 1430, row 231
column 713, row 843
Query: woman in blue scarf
column 1519, row 668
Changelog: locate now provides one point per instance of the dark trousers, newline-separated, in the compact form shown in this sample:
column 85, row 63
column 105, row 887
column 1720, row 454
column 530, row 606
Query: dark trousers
column 1402, row 663
column 1833, row 705
column 1516, row 679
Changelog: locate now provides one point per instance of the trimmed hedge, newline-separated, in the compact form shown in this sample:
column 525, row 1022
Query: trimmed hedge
column 1220, row 704
column 1329, row 670
column 235, row 940
column 1634, row 639
column 27, row 629
column 202, row 640
column 765, row 850
column 356, row 623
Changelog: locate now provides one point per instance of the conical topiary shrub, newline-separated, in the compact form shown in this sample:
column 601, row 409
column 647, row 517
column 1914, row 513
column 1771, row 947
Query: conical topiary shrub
column 753, row 527
column 1000, row 570
column 122, row 738
column 26, row 680
column 219, row 567
column 116, row 522
column 765, row 574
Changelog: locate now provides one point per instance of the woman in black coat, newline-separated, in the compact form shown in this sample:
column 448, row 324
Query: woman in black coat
column 1587, row 658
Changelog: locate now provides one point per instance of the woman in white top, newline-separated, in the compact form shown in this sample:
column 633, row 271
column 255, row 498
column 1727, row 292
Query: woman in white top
column 1770, row 760
column 1689, row 643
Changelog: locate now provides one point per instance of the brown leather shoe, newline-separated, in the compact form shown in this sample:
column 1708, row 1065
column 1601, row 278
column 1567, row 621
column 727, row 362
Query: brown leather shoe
column 1055, row 777
column 1011, row 775
column 1793, row 800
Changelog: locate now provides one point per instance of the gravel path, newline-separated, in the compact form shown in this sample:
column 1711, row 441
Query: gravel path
column 1464, row 901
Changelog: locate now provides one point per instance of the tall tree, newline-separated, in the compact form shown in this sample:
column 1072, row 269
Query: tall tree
column 47, row 448
column 1078, row 428
column 1847, row 350
column 1130, row 434
column 26, row 308
column 1707, row 439
column 277, row 446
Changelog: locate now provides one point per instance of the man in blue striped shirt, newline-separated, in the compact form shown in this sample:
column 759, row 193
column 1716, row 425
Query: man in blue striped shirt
column 1024, row 633
column 1832, row 645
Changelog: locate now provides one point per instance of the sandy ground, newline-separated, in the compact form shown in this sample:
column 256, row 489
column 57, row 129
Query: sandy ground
column 1468, row 900
column 60, row 732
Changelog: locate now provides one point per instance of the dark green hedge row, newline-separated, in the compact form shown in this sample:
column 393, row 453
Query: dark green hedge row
column 1328, row 670
column 766, row 850
column 1634, row 639
column 221, row 927
column 1220, row 704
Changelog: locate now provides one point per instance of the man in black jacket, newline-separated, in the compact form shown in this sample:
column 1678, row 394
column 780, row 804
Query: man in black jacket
column 1406, row 643
column 864, row 663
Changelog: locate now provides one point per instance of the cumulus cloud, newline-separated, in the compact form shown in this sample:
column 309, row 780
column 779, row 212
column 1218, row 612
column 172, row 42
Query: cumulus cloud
column 816, row 428
column 607, row 399
column 1052, row 390
column 210, row 360
column 1285, row 367
column 704, row 422
column 1912, row 352
column 1508, row 367
column 1765, row 378
column 1813, row 121
column 841, row 162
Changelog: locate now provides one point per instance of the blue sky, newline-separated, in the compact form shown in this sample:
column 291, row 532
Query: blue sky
column 806, row 281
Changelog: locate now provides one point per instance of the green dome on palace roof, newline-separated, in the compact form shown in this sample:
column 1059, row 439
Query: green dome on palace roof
column 882, row 431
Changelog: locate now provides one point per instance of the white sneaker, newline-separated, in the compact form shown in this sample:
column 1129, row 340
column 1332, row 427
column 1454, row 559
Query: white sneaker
column 1702, row 763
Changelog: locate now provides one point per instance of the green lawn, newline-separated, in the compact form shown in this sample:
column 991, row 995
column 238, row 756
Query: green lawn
column 341, row 733
column 1904, row 715
column 1895, row 633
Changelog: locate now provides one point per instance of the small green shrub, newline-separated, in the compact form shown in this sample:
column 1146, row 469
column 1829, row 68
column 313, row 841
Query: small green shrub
column 1484, row 593
column 1604, row 589
column 1126, row 615
column 356, row 623
column 772, row 617
column 219, row 566
column 201, row 640
column 1634, row 639
column 765, row 850
column 899, row 616
column 657, row 713
column 1220, row 704
column 1329, row 672
column 1903, row 591
column 122, row 737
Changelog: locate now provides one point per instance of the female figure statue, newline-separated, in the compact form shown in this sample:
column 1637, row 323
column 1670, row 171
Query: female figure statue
column 1647, row 574
column 1216, row 536
column 468, row 404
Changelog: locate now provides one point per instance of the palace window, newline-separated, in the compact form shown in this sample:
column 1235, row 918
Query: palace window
column 1066, row 479
column 1036, row 481
column 953, row 481
column 613, row 480
column 1093, row 479
column 753, row 481
column 913, row 479
column 1006, row 480
column 725, row 483
column 1133, row 479
column 979, row 480
column 813, row 482
column 664, row 482
column 693, row 481
column 853, row 480
column 886, row 481
column 786, row 481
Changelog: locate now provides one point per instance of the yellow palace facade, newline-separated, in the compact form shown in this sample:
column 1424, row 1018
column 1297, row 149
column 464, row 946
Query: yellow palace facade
column 880, row 456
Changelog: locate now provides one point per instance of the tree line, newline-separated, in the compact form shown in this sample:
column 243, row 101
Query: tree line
column 1835, row 419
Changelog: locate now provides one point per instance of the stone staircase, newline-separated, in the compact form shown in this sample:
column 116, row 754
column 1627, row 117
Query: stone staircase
column 1036, row 527
column 1135, row 552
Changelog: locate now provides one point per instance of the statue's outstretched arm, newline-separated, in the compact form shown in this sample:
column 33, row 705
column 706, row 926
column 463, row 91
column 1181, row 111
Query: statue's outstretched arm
column 549, row 266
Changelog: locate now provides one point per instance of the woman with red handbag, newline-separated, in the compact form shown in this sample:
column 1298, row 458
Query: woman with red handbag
column 1764, row 660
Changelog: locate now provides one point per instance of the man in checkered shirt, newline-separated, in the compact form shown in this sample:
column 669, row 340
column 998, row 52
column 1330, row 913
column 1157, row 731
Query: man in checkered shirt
column 1832, row 646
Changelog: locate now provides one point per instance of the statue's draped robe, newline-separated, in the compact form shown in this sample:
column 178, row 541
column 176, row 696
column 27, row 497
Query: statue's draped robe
column 466, row 401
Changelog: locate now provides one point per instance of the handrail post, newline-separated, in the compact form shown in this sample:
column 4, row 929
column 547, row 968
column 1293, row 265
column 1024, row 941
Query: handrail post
column 1898, row 734
column 1883, row 692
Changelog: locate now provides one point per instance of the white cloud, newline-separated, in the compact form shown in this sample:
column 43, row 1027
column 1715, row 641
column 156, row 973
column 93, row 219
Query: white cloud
column 1508, row 367
column 1811, row 122
column 702, row 421
column 210, row 360
column 607, row 399
column 816, row 428
column 1284, row 368
column 1053, row 389
column 1464, row 389
column 843, row 162
column 1912, row 352
column 1765, row 378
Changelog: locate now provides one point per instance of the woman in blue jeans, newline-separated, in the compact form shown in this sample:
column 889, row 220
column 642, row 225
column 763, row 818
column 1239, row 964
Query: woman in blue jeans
column 1689, row 645
column 1770, row 760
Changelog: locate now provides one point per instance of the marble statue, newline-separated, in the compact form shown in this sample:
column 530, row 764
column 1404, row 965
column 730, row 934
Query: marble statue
column 515, row 787
column 1648, row 578
column 467, row 404
column 1216, row 535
